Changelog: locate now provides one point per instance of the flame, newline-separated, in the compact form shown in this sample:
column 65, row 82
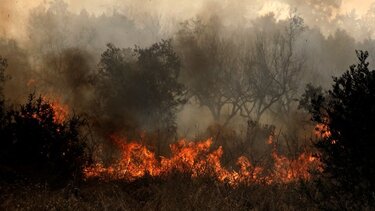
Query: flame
column 198, row 160
column 322, row 130
column 60, row 111
column 288, row 170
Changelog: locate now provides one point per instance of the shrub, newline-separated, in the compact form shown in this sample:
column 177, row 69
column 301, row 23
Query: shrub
column 347, row 111
column 34, row 145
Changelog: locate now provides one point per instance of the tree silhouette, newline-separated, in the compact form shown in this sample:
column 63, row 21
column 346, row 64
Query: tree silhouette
column 347, row 111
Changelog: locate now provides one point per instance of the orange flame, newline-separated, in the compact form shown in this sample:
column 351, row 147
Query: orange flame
column 197, row 160
column 288, row 170
column 60, row 111
column 322, row 130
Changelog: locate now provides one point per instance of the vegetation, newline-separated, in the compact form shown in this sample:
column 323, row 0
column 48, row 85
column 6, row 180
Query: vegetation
column 346, row 113
column 177, row 192
column 140, row 86
column 35, row 145
column 239, row 79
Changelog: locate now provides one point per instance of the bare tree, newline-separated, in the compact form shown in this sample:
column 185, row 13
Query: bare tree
column 209, row 62
column 231, row 77
column 270, row 70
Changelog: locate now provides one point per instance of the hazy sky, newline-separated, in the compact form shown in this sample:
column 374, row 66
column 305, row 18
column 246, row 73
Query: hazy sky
column 104, row 5
column 360, row 5
column 13, row 13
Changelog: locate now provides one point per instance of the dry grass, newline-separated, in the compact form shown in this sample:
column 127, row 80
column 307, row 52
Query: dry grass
column 177, row 192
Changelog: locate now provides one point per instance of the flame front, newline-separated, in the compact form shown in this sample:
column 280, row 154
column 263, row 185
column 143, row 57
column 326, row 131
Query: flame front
column 198, row 160
column 60, row 112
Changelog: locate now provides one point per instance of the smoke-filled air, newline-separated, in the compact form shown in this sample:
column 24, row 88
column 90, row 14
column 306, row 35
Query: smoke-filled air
column 187, row 105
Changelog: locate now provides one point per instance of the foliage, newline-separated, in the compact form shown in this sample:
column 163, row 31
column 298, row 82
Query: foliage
column 34, row 145
column 347, row 111
column 139, row 86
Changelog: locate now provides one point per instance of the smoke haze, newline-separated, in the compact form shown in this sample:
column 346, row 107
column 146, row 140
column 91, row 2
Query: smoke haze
column 54, row 47
column 15, row 14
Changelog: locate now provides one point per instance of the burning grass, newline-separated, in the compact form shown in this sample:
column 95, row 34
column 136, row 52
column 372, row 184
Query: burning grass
column 197, row 159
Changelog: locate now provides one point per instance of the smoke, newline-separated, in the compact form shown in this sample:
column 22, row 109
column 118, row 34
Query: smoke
column 166, row 15
column 4, row 18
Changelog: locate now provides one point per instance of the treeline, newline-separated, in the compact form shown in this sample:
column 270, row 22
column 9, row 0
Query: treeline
column 236, row 73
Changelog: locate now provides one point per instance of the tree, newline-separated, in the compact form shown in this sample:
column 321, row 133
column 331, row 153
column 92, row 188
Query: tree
column 18, row 69
column 138, row 88
column 347, row 113
column 233, row 76
column 271, row 68
column 209, row 66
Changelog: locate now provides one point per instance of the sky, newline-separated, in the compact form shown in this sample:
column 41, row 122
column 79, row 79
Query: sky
column 14, row 13
column 105, row 5
column 360, row 6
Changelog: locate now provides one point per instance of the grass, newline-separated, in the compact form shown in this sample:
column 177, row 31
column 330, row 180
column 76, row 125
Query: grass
column 175, row 192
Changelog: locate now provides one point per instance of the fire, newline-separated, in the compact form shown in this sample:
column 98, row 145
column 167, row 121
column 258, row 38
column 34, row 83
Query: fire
column 288, row 170
column 197, row 160
column 322, row 130
column 60, row 111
